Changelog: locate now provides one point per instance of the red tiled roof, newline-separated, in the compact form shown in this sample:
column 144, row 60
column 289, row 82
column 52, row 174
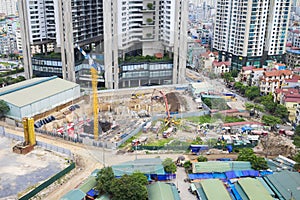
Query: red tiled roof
column 289, row 44
column 246, row 68
column 295, row 48
column 217, row 63
column 206, row 54
column 296, row 31
column 158, row 55
column 291, row 99
column 297, row 69
column 287, row 91
column 280, row 64
column 242, row 123
column 258, row 69
column 278, row 73
column 294, row 79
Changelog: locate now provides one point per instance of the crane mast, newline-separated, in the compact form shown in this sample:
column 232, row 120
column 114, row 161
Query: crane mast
column 94, row 74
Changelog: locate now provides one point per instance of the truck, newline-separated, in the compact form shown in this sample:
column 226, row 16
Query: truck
column 147, row 127
column 167, row 133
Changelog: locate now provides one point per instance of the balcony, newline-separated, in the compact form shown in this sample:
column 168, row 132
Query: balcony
column 147, row 10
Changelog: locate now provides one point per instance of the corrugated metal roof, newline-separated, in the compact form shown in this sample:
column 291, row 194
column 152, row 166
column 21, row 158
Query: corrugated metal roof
column 89, row 184
column 286, row 183
column 210, row 186
column 162, row 191
column 34, row 90
column 145, row 166
column 220, row 166
column 73, row 195
column 254, row 189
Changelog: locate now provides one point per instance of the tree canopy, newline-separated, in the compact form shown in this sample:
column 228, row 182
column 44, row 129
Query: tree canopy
column 4, row 108
column 124, row 188
column 271, row 120
column 252, row 92
column 201, row 158
column 257, row 163
column 169, row 165
column 130, row 187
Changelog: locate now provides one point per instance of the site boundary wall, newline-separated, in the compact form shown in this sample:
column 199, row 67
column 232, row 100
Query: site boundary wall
column 48, row 182
column 38, row 143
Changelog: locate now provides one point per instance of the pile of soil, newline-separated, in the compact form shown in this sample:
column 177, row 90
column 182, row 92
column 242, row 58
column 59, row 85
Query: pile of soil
column 173, row 101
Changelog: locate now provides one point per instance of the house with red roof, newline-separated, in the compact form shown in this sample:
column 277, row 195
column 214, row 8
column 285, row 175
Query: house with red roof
column 220, row 67
column 245, row 73
column 255, row 76
column 207, row 59
column 293, row 82
column 292, row 103
column 272, row 80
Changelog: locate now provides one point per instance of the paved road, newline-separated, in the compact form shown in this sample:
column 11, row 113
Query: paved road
column 182, row 186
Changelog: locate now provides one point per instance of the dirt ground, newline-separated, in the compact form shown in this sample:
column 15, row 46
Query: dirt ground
column 28, row 169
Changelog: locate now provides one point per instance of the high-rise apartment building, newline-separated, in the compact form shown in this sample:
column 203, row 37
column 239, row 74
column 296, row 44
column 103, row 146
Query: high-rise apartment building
column 147, row 28
column 8, row 7
column 250, row 32
column 117, row 28
column 59, row 24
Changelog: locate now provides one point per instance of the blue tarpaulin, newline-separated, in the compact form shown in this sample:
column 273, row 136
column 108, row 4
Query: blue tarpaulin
column 246, row 128
column 264, row 173
column 200, row 176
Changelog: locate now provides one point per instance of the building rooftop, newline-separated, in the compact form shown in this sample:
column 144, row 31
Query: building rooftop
column 246, row 68
column 278, row 73
column 34, row 90
column 162, row 191
column 73, row 195
column 145, row 166
column 285, row 184
column 254, row 189
column 210, row 186
column 242, row 124
column 220, row 166
column 217, row 63
column 258, row 69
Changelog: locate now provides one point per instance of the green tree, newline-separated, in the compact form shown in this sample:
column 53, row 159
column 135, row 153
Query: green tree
column 252, row 92
column 139, row 178
column 201, row 158
column 297, row 131
column 169, row 165
column 257, row 163
column 228, row 77
column 234, row 73
column 197, row 140
column 104, row 180
column 250, row 106
column 127, row 187
column 207, row 102
column 271, row 120
column 296, row 141
column 4, row 108
column 238, row 85
column 297, row 159
column 268, row 103
column 281, row 111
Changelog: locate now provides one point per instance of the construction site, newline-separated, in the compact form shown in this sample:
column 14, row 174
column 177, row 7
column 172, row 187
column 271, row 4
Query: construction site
column 119, row 113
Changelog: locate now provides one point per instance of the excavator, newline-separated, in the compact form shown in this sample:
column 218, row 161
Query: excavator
column 168, row 120
column 94, row 73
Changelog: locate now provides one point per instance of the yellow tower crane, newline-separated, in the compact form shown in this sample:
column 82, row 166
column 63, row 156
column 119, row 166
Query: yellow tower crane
column 94, row 73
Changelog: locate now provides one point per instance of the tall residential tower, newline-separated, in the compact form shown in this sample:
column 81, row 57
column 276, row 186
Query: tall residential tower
column 251, row 32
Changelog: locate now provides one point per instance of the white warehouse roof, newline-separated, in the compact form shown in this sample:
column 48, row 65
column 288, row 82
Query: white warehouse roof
column 34, row 90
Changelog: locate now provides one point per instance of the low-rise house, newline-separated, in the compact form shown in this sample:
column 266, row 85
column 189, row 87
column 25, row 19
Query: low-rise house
column 207, row 59
column 272, row 80
column 282, row 93
column 255, row 76
column 245, row 73
column 292, row 58
column 292, row 83
column 291, row 102
column 221, row 67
